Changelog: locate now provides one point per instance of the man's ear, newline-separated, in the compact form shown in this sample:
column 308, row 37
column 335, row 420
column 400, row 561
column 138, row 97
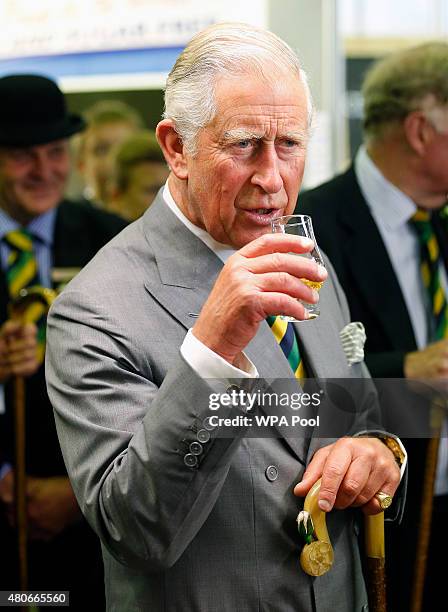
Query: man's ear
column 171, row 144
column 418, row 131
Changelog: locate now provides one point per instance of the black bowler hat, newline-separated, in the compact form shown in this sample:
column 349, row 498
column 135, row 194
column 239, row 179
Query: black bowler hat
column 33, row 111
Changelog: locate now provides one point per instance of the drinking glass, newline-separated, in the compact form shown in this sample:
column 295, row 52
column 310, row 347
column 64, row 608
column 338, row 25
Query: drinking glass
column 301, row 225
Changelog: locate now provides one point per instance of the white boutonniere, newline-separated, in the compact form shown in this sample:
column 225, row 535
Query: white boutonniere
column 353, row 338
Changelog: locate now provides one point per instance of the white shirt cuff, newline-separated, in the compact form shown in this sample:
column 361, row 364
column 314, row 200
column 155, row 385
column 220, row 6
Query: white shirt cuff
column 207, row 364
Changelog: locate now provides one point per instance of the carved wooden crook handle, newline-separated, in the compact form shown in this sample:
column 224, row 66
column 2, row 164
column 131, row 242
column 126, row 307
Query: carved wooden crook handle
column 317, row 554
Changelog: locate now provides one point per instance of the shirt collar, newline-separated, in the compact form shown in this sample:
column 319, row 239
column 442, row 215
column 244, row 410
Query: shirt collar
column 223, row 251
column 385, row 200
column 41, row 227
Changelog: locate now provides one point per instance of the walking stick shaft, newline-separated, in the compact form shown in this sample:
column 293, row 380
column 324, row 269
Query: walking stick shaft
column 20, row 479
column 425, row 523
column 22, row 309
column 376, row 563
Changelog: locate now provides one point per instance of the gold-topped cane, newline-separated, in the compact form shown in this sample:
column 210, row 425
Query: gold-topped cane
column 438, row 409
column 28, row 307
column 317, row 555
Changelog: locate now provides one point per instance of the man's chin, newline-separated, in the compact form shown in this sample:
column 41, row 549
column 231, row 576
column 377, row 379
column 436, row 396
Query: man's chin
column 39, row 205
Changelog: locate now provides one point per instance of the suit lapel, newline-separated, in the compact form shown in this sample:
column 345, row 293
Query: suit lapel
column 440, row 228
column 321, row 346
column 272, row 365
column 69, row 249
column 371, row 265
column 187, row 269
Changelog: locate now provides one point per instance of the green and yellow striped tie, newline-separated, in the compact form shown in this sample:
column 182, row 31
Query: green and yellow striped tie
column 22, row 267
column 286, row 337
column 22, row 273
column 430, row 262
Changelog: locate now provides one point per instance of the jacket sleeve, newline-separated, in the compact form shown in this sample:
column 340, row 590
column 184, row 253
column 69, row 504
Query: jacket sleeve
column 126, row 436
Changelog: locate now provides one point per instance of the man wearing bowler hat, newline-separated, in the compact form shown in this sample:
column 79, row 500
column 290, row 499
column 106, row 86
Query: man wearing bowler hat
column 42, row 236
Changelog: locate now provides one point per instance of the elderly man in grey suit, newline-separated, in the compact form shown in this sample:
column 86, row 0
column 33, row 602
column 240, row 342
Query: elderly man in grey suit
column 190, row 519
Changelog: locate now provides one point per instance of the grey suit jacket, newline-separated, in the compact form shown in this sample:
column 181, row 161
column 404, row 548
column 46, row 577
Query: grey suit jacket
column 221, row 536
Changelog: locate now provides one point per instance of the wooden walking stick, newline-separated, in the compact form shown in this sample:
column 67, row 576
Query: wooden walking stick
column 20, row 478
column 317, row 555
column 376, row 562
column 28, row 307
column 429, row 481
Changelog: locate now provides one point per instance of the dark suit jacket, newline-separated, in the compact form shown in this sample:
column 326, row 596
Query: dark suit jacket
column 347, row 232
column 80, row 231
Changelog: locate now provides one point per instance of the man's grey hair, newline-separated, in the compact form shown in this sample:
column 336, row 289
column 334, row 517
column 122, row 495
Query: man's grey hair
column 221, row 50
column 412, row 79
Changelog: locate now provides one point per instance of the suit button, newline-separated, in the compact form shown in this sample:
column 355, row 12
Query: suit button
column 208, row 426
column 271, row 473
column 195, row 448
column 203, row 436
column 190, row 460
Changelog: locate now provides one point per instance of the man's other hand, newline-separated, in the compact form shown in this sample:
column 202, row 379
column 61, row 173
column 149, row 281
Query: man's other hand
column 429, row 363
column 51, row 504
column 353, row 470
column 18, row 350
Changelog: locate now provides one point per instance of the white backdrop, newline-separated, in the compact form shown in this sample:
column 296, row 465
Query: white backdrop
column 48, row 27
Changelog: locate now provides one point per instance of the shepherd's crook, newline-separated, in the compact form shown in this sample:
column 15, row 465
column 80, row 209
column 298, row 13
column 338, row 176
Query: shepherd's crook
column 317, row 554
column 23, row 309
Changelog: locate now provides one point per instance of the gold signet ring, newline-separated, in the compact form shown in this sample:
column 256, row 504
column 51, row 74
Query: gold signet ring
column 384, row 499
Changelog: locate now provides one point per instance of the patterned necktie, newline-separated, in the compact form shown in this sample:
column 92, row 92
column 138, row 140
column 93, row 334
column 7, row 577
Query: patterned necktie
column 430, row 262
column 22, row 273
column 286, row 337
column 22, row 267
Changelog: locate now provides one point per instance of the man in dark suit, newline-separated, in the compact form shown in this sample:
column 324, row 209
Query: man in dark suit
column 34, row 167
column 369, row 221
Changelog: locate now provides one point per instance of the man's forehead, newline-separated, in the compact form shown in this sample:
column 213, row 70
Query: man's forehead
column 257, row 102
column 262, row 122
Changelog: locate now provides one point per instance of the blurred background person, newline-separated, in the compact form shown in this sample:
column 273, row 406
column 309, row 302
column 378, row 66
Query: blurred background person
column 139, row 171
column 383, row 223
column 41, row 234
column 109, row 123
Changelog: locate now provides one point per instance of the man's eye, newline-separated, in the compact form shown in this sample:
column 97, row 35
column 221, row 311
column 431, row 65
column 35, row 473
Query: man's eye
column 19, row 155
column 290, row 144
column 57, row 151
column 244, row 144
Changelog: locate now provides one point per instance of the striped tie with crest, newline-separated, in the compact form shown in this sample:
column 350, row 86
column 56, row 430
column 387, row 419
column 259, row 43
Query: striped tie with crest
column 22, row 273
column 286, row 337
column 430, row 263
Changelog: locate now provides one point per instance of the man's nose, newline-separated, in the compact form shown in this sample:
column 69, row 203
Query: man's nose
column 267, row 173
column 42, row 167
